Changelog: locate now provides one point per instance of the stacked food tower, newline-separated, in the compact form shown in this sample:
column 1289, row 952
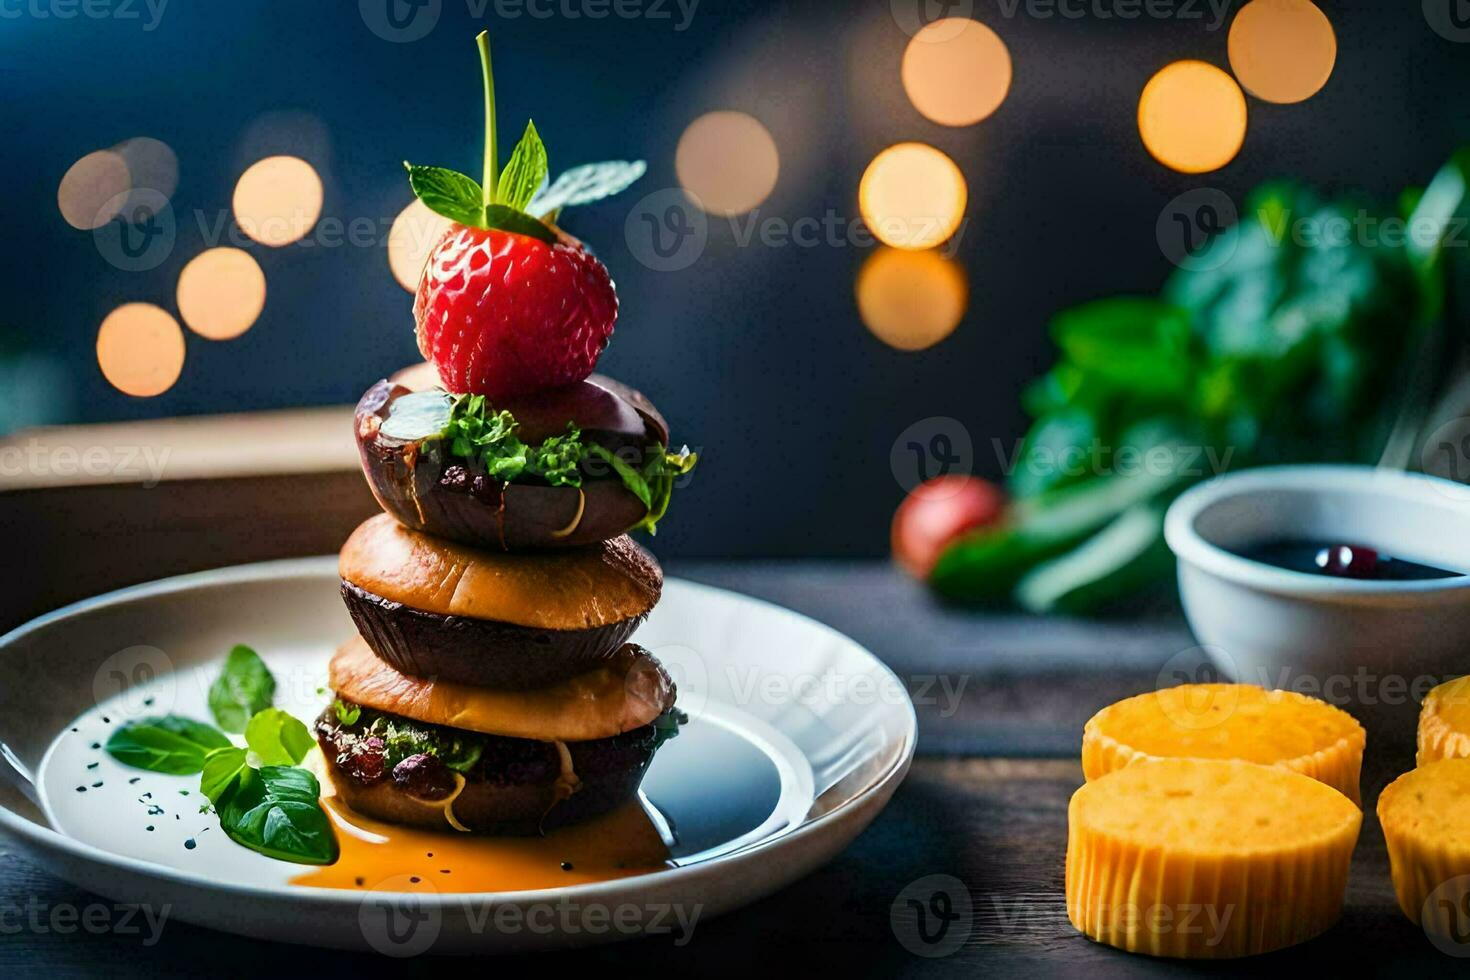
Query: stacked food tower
column 492, row 687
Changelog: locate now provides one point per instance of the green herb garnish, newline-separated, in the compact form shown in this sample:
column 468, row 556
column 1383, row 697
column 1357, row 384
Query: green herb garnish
column 275, row 810
column 243, row 688
column 517, row 198
column 346, row 713
column 168, row 744
column 277, row 739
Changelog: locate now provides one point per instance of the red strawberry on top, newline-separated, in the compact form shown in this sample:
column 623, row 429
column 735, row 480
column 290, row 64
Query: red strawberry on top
column 507, row 304
column 501, row 314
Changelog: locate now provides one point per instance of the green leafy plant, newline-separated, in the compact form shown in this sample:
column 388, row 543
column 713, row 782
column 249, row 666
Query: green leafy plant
column 273, row 809
column 1294, row 335
column 167, row 744
column 244, row 687
column 516, row 199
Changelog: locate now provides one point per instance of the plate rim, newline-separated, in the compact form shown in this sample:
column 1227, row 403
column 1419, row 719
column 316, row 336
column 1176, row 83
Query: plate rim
column 50, row 839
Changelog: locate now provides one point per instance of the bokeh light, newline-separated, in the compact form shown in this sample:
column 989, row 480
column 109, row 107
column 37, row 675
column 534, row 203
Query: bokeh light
column 94, row 189
column 1282, row 50
column 278, row 200
column 911, row 300
column 956, row 71
column 221, row 293
column 140, row 349
column 727, row 162
column 1192, row 117
column 414, row 234
column 152, row 166
column 912, row 196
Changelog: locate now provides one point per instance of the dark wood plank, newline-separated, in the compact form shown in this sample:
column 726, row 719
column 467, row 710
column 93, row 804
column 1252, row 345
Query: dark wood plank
column 998, row 826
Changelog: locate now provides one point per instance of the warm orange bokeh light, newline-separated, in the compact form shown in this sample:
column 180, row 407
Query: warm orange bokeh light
column 727, row 162
column 140, row 349
column 278, row 200
column 93, row 190
column 221, row 293
column 414, row 234
column 911, row 300
column 1282, row 50
column 1191, row 116
column 912, row 196
column 956, row 71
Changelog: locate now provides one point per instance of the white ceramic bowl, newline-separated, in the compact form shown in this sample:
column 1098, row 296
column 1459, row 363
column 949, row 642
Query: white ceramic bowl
column 1372, row 647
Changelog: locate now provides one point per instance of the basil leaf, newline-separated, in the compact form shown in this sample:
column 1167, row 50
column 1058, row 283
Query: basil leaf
column 587, row 183
column 420, row 415
column 275, row 810
column 448, row 192
column 245, row 687
column 524, row 173
column 518, row 222
column 222, row 768
column 277, row 739
column 168, row 744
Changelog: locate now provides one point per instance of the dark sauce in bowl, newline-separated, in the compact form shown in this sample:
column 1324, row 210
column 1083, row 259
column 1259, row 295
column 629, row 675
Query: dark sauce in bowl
column 1339, row 560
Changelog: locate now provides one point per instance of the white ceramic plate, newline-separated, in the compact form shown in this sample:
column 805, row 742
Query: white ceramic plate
column 798, row 737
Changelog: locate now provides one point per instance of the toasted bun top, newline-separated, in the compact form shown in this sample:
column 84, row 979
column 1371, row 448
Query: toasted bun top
column 580, row 588
column 630, row 691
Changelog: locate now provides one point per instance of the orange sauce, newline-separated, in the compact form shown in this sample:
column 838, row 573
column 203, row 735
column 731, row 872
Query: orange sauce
column 379, row 856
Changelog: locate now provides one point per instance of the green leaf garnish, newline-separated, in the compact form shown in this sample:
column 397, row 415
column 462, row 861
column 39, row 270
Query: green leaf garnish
column 277, row 739
column 524, row 173
column 168, row 744
column 449, row 193
column 275, row 810
column 346, row 713
column 514, row 199
column 222, row 768
column 243, row 688
column 587, row 183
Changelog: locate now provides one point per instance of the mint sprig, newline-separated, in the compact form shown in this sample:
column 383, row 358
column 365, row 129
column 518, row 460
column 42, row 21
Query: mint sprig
column 515, row 200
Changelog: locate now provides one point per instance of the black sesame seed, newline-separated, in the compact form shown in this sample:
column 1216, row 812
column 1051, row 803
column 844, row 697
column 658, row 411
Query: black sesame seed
column 95, row 745
column 135, row 780
column 360, row 882
column 566, row 865
column 96, row 784
column 149, row 828
column 81, row 789
column 106, row 720
column 415, row 879
column 190, row 844
column 92, row 765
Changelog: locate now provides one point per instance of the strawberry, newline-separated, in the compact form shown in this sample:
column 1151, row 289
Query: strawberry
column 501, row 314
column 508, row 304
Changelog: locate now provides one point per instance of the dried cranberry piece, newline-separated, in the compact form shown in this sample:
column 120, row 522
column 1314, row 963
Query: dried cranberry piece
column 455, row 477
column 365, row 759
column 423, row 776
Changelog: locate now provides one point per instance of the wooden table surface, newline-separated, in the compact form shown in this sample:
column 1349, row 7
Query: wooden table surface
column 985, row 804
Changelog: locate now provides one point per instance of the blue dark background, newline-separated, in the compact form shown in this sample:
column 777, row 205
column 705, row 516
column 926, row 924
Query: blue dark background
column 756, row 354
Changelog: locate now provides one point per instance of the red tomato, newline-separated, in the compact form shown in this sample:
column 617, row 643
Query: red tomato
column 937, row 512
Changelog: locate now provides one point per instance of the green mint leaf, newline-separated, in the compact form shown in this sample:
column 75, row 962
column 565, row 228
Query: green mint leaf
column 222, row 769
column 347, row 713
column 277, row 739
column 448, row 192
column 500, row 217
column 168, row 744
column 525, row 173
column 243, row 688
column 585, row 184
column 275, row 810
column 420, row 415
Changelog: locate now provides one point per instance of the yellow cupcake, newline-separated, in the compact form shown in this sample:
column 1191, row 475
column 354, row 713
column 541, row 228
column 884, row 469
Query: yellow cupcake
column 1205, row 858
column 1444, row 722
column 1228, row 721
column 1426, row 821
